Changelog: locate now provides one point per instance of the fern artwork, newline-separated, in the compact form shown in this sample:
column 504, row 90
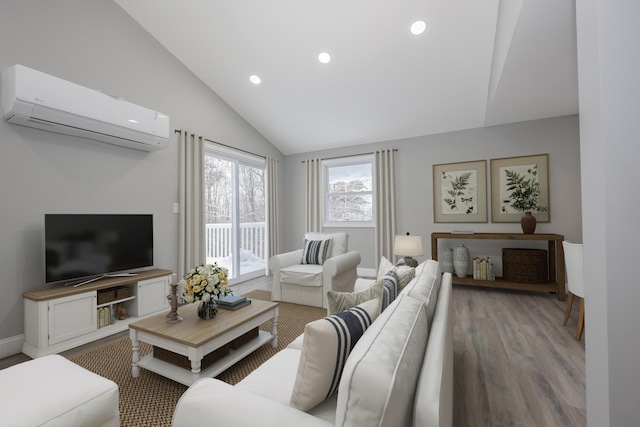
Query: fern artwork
column 520, row 189
column 459, row 192
column 518, row 185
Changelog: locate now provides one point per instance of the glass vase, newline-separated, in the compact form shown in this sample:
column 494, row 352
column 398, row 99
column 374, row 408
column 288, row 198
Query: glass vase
column 208, row 310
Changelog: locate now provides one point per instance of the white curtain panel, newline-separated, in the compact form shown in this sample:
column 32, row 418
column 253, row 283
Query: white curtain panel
column 385, row 196
column 314, row 187
column 272, row 243
column 191, row 233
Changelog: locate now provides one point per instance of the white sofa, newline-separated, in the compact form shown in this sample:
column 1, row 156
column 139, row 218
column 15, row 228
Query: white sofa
column 53, row 391
column 307, row 284
column 400, row 373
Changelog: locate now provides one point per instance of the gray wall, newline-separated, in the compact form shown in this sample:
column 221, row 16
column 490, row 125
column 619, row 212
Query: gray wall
column 559, row 137
column 95, row 44
column 609, row 111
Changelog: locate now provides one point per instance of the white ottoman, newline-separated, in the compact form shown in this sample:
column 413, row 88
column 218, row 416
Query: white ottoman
column 52, row 391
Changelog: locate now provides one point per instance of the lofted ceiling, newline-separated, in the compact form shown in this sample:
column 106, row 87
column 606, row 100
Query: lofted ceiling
column 479, row 63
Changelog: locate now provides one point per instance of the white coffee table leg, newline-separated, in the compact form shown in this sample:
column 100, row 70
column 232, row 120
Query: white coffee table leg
column 135, row 354
column 274, row 329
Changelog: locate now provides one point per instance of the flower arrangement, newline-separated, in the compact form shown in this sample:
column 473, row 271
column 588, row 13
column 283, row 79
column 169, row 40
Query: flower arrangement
column 204, row 283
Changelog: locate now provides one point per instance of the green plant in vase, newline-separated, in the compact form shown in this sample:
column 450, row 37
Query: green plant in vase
column 524, row 196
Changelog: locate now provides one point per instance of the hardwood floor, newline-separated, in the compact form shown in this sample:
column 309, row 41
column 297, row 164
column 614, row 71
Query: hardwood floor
column 515, row 364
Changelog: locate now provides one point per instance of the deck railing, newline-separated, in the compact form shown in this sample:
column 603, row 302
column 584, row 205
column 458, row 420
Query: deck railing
column 219, row 239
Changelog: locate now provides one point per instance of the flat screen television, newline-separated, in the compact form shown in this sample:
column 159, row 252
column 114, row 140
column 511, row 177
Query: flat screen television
column 80, row 247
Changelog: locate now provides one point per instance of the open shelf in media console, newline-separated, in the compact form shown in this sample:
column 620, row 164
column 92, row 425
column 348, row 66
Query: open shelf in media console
column 106, row 304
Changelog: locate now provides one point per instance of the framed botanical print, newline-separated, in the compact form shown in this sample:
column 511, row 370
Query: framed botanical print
column 518, row 185
column 460, row 192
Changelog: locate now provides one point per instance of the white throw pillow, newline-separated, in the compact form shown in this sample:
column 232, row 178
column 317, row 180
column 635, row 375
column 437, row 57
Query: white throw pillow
column 379, row 380
column 325, row 347
column 385, row 267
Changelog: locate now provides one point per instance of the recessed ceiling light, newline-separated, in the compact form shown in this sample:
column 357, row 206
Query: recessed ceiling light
column 254, row 79
column 324, row 57
column 418, row 27
column 133, row 121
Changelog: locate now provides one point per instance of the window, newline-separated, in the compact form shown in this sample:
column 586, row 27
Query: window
column 348, row 192
column 235, row 213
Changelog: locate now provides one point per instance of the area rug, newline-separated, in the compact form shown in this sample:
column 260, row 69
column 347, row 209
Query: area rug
column 150, row 399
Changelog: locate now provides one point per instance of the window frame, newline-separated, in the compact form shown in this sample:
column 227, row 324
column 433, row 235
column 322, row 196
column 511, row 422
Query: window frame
column 340, row 162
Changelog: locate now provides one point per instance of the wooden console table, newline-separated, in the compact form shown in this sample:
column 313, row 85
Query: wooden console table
column 556, row 281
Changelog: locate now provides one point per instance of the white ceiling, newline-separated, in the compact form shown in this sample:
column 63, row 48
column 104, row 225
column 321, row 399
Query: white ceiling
column 479, row 63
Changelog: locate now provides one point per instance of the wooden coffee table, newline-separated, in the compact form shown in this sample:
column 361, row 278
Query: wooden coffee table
column 195, row 338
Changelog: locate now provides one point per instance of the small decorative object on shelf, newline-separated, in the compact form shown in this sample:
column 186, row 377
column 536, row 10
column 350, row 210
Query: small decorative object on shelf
column 205, row 283
column 461, row 260
column 447, row 260
column 173, row 302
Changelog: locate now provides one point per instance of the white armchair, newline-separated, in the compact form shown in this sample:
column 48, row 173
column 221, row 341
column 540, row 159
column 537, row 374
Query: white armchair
column 308, row 284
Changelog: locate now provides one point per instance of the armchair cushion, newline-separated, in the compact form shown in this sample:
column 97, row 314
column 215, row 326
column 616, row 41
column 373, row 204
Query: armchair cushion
column 326, row 345
column 315, row 251
column 302, row 274
column 340, row 301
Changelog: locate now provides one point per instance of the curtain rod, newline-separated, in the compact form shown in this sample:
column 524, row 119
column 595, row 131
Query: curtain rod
column 348, row 155
column 228, row 146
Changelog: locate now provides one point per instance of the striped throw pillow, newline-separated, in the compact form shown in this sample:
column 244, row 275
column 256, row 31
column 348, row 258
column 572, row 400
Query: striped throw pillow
column 390, row 288
column 325, row 347
column 315, row 251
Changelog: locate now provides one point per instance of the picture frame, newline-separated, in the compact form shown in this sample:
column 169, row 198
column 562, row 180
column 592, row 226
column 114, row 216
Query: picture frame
column 504, row 173
column 460, row 192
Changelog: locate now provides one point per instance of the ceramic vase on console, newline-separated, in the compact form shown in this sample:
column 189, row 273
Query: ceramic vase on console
column 208, row 310
column 447, row 260
column 461, row 260
column 528, row 223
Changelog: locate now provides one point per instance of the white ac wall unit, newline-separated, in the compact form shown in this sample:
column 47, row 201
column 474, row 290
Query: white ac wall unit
column 35, row 99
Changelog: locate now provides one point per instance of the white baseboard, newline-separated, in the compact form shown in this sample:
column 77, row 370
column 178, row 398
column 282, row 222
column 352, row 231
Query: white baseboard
column 11, row 346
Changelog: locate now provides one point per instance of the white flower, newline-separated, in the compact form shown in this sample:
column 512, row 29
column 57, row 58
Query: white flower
column 214, row 279
column 209, row 288
column 206, row 297
column 187, row 298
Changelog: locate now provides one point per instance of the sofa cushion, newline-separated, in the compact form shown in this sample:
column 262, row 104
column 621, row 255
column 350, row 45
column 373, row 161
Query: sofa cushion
column 340, row 301
column 339, row 242
column 315, row 251
column 275, row 378
column 302, row 274
column 390, row 289
column 378, row 384
column 326, row 345
column 425, row 285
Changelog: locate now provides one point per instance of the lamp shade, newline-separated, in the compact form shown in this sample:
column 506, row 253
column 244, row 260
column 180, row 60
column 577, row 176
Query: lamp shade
column 408, row 246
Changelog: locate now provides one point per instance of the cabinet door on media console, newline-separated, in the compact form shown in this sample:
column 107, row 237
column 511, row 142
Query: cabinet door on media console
column 72, row 316
column 151, row 295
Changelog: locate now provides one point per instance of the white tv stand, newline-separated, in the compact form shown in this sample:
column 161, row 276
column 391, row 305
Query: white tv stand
column 59, row 318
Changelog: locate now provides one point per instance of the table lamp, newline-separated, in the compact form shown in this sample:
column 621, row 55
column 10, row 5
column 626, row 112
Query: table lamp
column 408, row 246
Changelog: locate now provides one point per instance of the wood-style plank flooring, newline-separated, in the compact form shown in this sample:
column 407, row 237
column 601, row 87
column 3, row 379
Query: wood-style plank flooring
column 515, row 364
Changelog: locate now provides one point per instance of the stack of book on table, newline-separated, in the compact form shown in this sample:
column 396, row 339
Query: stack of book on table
column 233, row 302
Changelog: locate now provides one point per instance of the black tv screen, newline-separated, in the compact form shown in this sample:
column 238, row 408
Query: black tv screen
column 81, row 246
